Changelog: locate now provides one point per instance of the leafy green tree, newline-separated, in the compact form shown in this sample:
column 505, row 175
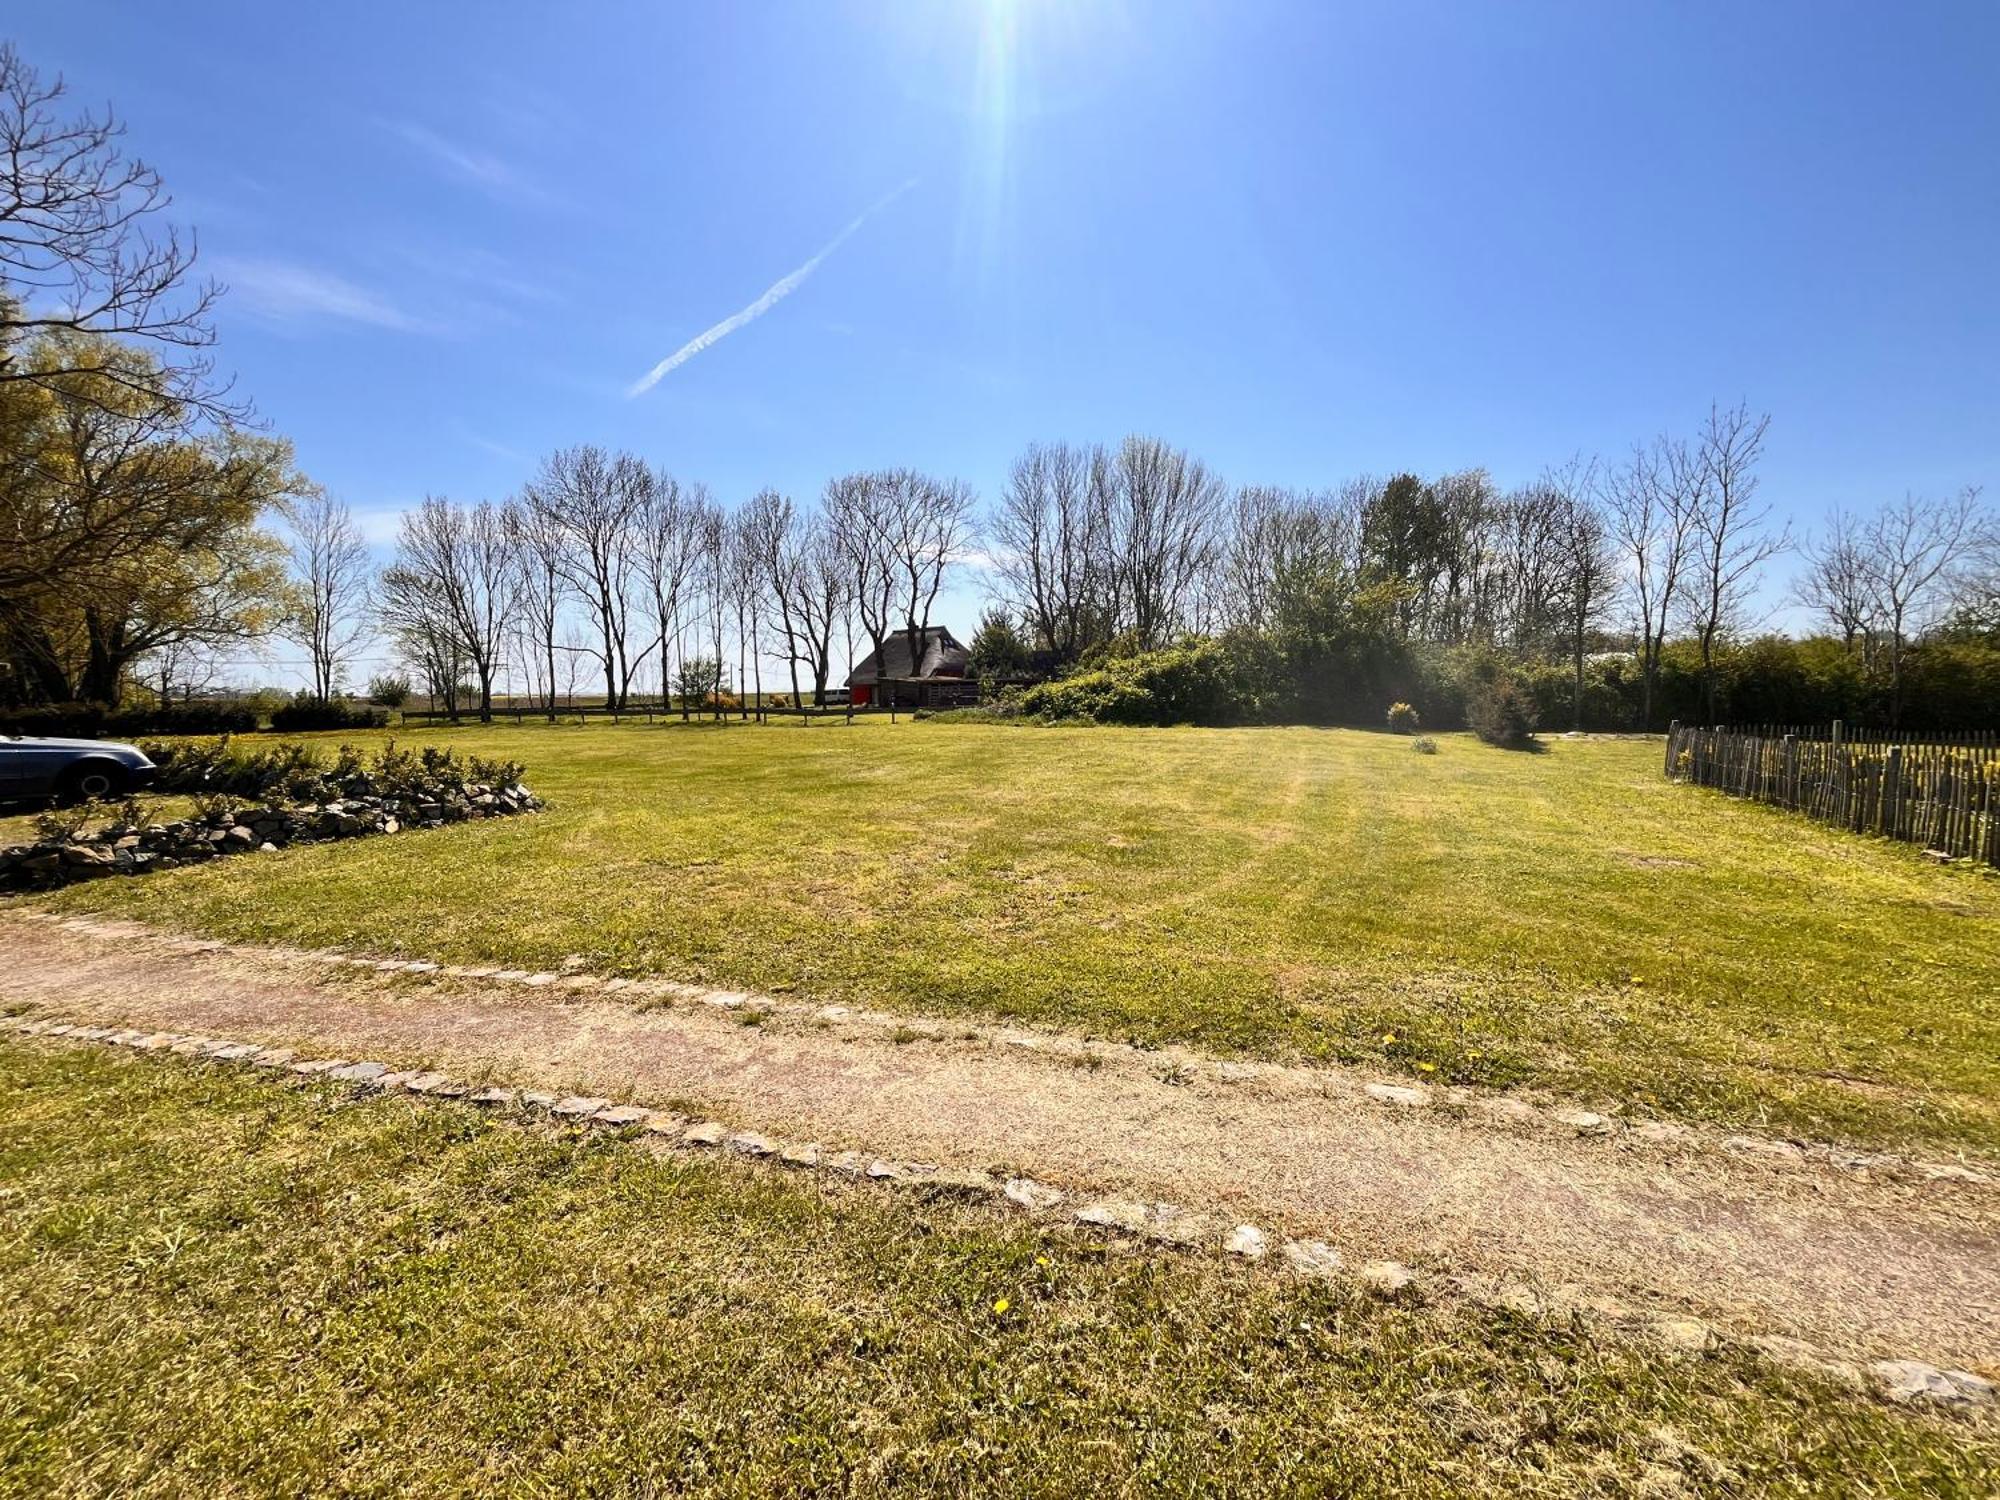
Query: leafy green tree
column 998, row 647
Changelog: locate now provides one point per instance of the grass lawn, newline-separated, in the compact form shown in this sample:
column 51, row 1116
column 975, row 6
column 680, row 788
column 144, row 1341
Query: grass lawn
column 1566, row 919
column 220, row 1283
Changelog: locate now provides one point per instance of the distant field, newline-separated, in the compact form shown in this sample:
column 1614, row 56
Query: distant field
column 218, row 1284
column 1568, row 918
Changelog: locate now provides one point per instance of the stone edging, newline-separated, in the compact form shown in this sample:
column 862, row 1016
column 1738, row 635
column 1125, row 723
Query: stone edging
column 1164, row 1226
column 1489, row 1106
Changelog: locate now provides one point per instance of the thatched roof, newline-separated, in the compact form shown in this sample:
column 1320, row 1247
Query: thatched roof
column 942, row 656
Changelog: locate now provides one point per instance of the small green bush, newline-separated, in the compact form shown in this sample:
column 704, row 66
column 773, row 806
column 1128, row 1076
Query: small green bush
column 389, row 691
column 307, row 712
column 1500, row 712
column 1403, row 719
column 1423, row 744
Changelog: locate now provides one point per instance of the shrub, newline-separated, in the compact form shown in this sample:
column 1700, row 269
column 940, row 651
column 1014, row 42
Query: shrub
column 1500, row 712
column 389, row 691
column 1403, row 719
column 307, row 712
column 1197, row 682
column 95, row 721
column 1423, row 744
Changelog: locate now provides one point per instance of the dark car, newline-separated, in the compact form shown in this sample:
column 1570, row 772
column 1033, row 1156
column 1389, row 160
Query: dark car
column 35, row 769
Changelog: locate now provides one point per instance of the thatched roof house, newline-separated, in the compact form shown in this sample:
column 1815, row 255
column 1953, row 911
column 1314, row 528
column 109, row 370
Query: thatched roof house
column 934, row 673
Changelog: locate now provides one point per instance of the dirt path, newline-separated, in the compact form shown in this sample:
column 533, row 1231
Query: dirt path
column 1866, row 1264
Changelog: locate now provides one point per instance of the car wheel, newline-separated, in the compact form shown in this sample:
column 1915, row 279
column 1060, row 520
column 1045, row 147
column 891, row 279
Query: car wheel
column 91, row 780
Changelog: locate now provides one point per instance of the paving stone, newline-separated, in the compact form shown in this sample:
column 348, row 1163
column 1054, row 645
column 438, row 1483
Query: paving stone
column 535, row 1099
column 1912, row 1382
column 360, row 1072
column 749, row 1143
column 663, row 1122
column 961, row 1184
column 267, row 1057
column 1948, row 1172
column 235, row 1051
column 425, row 1083
column 1311, row 1257
column 315, row 1065
column 1036, row 1197
column 497, row 1098
column 1389, row 1279
column 706, row 1133
column 881, row 1169
column 849, row 1163
column 1113, row 1213
column 799, row 1156
column 1659, row 1132
column 1757, row 1145
column 1396, row 1094
column 1247, row 1242
column 578, row 1106
column 1171, row 1224
column 619, row 1115
column 512, row 976
column 539, row 980
column 1584, row 1122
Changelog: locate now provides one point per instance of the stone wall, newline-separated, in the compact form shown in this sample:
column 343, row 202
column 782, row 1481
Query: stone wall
column 123, row 850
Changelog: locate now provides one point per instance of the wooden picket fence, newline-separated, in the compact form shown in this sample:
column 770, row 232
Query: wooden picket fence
column 1941, row 792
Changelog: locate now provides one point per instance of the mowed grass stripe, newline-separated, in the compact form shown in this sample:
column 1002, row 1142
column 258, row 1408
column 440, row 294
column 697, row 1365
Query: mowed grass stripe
column 1566, row 919
column 218, row 1282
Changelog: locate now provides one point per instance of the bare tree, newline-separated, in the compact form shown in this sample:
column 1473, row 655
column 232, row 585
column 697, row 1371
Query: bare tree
column 855, row 507
column 1164, row 542
column 539, row 548
column 1835, row 584
column 928, row 524
column 668, row 543
column 416, row 618
column 330, row 572
column 460, row 556
column 590, row 499
column 1731, row 534
column 1911, row 550
column 82, row 248
column 768, row 530
column 1651, row 513
column 1280, row 541
column 1528, row 567
column 1052, row 553
column 750, row 598
column 1583, row 545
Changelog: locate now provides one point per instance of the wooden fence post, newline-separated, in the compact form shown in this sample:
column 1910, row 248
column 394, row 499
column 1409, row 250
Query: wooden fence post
column 1673, row 735
column 1892, row 777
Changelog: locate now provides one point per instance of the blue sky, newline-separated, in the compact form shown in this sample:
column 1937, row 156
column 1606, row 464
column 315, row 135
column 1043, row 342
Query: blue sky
column 1305, row 240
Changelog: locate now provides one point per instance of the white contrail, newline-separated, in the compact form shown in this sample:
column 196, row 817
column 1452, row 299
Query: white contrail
column 779, row 291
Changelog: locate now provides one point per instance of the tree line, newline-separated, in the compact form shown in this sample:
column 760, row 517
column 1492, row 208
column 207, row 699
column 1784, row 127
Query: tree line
column 138, row 496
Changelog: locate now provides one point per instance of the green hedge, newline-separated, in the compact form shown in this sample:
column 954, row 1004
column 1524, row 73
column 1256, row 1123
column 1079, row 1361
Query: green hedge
column 94, row 721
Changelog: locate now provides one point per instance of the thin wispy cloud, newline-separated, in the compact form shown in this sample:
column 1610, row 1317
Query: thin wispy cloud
column 282, row 291
column 777, row 293
column 492, row 174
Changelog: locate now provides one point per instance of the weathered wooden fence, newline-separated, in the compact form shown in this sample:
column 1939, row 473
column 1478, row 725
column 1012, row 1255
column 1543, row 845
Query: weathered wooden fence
column 1941, row 792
